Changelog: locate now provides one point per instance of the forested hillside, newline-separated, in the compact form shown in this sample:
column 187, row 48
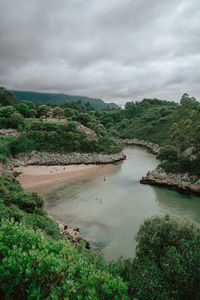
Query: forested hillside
column 175, row 127
column 44, row 98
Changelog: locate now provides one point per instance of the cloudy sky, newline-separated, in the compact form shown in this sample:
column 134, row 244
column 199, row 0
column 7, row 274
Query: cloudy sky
column 117, row 50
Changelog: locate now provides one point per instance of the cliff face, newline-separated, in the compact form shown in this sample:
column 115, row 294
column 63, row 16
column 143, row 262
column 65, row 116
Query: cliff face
column 183, row 183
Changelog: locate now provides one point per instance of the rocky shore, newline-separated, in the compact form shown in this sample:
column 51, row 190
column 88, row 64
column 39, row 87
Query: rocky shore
column 36, row 158
column 71, row 235
column 154, row 148
column 182, row 183
column 10, row 132
column 11, row 173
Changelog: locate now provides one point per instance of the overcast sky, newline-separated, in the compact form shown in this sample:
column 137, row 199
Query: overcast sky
column 117, row 50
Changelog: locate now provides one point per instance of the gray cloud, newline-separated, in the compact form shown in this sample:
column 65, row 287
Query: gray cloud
column 118, row 50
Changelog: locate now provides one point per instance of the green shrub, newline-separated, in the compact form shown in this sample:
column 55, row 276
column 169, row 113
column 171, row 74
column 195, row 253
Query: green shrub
column 159, row 232
column 44, row 223
column 16, row 120
column 34, row 267
column 167, row 262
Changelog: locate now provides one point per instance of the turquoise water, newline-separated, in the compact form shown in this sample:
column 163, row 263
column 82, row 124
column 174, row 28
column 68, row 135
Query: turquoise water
column 110, row 212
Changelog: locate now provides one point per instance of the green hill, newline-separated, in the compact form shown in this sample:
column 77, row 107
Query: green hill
column 44, row 98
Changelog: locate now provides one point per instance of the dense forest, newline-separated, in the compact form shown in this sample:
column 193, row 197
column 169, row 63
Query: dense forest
column 35, row 260
column 45, row 98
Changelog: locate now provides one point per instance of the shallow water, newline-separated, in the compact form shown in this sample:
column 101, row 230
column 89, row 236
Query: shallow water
column 109, row 208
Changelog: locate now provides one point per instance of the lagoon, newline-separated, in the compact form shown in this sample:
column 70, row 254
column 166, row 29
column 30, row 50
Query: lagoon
column 109, row 207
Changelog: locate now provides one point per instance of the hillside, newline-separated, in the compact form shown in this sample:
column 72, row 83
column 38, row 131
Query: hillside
column 44, row 98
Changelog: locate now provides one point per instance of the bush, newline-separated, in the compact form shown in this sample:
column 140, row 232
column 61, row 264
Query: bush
column 7, row 111
column 159, row 232
column 167, row 262
column 43, row 268
column 35, row 221
column 5, row 152
column 62, row 138
column 13, row 194
column 168, row 153
column 16, row 120
column 6, row 97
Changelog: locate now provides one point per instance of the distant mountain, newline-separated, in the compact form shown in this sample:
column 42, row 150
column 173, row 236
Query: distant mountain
column 44, row 98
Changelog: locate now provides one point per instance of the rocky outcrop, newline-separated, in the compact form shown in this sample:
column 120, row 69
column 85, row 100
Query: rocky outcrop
column 11, row 173
column 89, row 132
column 51, row 159
column 154, row 148
column 189, row 152
column 12, row 132
column 71, row 235
column 183, row 183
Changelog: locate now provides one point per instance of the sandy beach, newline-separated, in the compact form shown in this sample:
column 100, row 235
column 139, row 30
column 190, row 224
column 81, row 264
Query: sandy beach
column 39, row 178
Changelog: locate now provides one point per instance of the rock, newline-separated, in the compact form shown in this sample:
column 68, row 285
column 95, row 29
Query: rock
column 11, row 173
column 89, row 132
column 75, row 228
column 189, row 153
column 51, row 159
column 72, row 235
column 154, row 148
column 183, row 183
column 10, row 131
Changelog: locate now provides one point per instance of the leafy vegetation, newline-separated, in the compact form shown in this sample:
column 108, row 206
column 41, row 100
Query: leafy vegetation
column 5, row 152
column 6, row 97
column 25, row 207
column 175, row 127
column 167, row 261
column 64, row 138
column 35, row 262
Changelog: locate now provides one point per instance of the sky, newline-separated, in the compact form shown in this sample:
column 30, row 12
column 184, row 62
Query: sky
column 116, row 50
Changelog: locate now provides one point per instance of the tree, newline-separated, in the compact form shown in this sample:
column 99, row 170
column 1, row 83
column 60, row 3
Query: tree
column 168, row 153
column 187, row 104
column 16, row 120
column 68, row 112
column 159, row 232
column 83, row 118
column 30, row 104
column 7, row 111
column 88, row 107
column 32, row 113
column 43, row 110
column 23, row 109
column 7, row 97
column 58, row 112
column 167, row 260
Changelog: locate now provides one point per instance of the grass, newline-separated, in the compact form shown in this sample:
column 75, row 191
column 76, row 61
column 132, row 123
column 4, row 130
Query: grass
column 27, row 121
column 4, row 139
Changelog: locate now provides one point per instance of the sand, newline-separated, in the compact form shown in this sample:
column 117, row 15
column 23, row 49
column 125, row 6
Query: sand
column 39, row 178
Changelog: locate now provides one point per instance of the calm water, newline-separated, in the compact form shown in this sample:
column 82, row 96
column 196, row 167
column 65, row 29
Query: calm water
column 109, row 212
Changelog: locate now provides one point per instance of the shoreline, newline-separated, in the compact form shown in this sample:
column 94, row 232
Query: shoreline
column 153, row 148
column 182, row 183
column 36, row 158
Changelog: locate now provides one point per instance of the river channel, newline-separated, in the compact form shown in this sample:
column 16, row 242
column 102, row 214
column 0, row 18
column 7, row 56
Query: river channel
column 109, row 208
